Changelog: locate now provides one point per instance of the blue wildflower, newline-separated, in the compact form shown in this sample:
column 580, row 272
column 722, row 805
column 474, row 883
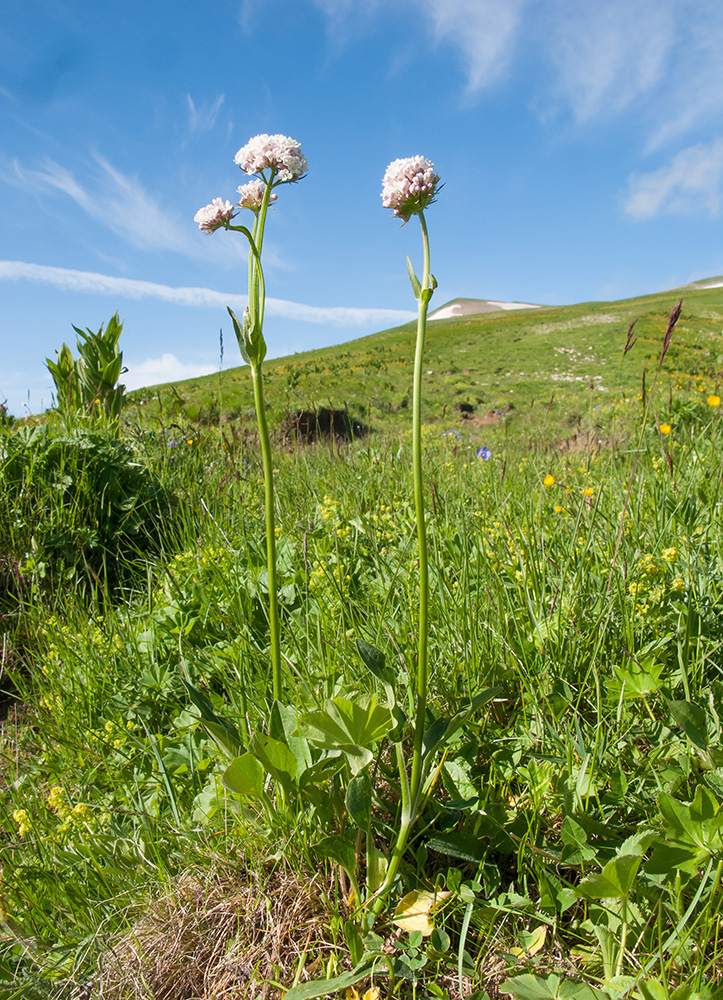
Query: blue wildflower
column 484, row 453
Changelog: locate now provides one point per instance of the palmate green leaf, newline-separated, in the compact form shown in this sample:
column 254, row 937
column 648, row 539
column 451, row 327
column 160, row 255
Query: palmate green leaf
column 550, row 987
column 615, row 880
column 699, row 823
column 353, row 727
column 693, row 831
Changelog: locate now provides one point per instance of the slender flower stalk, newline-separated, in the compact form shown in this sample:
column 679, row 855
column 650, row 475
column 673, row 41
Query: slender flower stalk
column 274, row 160
column 409, row 187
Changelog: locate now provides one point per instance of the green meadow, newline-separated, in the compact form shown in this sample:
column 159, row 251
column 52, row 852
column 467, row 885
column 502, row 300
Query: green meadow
column 171, row 831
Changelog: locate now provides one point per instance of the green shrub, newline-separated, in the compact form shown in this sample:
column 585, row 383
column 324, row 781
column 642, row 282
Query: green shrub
column 78, row 508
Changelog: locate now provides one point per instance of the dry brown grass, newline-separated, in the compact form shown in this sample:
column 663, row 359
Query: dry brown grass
column 225, row 932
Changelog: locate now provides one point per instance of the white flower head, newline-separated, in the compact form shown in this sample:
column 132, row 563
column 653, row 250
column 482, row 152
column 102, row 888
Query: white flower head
column 409, row 186
column 251, row 195
column 214, row 216
column 278, row 153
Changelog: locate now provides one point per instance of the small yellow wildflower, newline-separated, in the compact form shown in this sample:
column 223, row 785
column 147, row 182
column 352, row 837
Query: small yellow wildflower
column 713, row 400
column 671, row 554
column 56, row 799
column 558, row 508
column 23, row 820
column 588, row 492
column 548, row 480
column 665, row 428
column 678, row 584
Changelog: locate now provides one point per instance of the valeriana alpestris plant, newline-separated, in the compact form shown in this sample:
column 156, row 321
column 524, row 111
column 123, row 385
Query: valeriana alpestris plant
column 271, row 160
column 409, row 187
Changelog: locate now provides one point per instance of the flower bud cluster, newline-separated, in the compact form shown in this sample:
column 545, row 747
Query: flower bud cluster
column 277, row 153
column 214, row 216
column 251, row 195
column 409, row 186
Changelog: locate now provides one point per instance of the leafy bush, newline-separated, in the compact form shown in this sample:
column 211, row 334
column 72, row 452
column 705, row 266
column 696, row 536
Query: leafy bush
column 78, row 508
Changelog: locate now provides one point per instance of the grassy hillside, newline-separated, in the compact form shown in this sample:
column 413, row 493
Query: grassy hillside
column 568, row 358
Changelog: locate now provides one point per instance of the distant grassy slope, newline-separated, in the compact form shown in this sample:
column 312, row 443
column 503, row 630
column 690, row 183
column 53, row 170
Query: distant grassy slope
column 571, row 355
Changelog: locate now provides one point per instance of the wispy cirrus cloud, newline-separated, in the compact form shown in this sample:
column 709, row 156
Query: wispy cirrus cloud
column 130, row 288
column 596, row 61
column 485, row 32
column 605, row 56
column 112, row 198
column 203, row 117
column 692, row 183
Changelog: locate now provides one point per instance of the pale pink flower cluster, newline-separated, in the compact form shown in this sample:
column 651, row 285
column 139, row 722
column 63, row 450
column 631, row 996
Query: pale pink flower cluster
column 273, row 152
column 251, row 195
column 214, row 216
column 409, row 186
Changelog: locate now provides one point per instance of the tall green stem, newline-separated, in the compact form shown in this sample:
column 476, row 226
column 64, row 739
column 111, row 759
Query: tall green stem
column 257, row 302
column 412, row 792
column 421, row 685
column 257, row 379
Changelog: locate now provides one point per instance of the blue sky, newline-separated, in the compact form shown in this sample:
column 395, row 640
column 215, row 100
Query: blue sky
column 580, row 146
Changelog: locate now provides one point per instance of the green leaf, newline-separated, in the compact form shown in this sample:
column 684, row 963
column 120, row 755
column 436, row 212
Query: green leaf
column 223, row 732
column 442, row 730
column 354, row 727
column 359, row 800
column 415, row 282
column 240, row 335
column 459, row 845
column 283, row 726
column 321, row 987
column 244, row 776
column 692, row 720
column 615, row 880
column 339, row 849
column 275, row 756
column 377, row 864
column 353, row 941
column 698, row 823
column 550, row 987
column 375, row 661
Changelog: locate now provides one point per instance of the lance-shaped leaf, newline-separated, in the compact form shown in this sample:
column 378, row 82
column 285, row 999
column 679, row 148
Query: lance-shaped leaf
column 359, row 800
column 415, row 282
column 375, row 661
column 442, row 730
column 223, row 732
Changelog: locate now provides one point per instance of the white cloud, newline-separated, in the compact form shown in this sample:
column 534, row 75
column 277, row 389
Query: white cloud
column 605, row 55
column 484, row 30
column 112, row 198
column 130, row 288
column 167, row 368
column 690, row 184
column 597, row 60
column 203, row 118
